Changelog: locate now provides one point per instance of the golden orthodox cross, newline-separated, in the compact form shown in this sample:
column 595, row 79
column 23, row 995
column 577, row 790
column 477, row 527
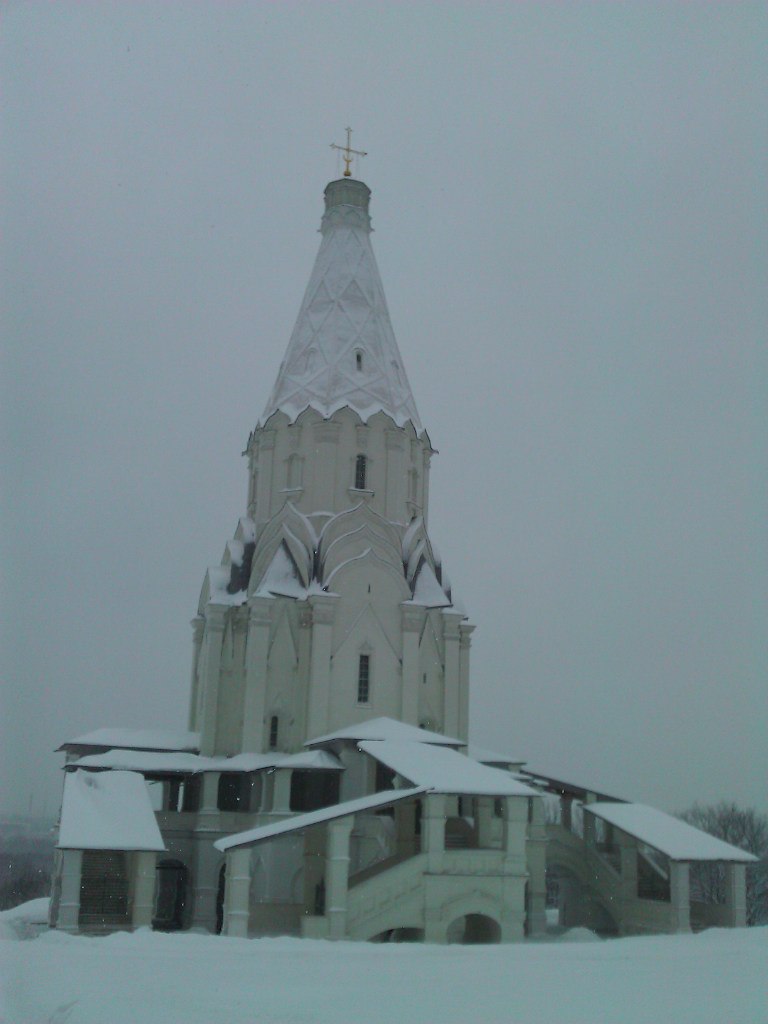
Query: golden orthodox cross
column 348, row 152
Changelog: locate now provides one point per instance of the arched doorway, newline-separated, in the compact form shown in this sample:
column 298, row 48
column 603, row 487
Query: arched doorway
column 474, row 929
column 170, row 896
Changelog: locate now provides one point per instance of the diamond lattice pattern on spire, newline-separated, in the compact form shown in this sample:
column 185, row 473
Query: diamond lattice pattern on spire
column 343, row 351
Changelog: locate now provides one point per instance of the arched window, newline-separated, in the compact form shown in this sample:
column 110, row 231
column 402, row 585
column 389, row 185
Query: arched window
column 361, row 466
column 274, row 726
column 359, row 360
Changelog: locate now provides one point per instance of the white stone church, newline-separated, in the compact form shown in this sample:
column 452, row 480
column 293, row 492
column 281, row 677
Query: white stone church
column 326, row 786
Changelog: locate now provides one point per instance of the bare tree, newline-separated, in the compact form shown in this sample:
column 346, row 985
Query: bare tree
column 742, row 827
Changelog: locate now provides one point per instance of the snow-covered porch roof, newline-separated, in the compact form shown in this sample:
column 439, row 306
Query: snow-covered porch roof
column 151, row 763
column 385, row 729
column 136, row 739
column 670, row 836
column 302, row 821
column 441, row 770
column 109, row 811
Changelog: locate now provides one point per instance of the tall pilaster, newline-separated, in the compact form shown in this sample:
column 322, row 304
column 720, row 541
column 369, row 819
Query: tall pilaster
column 323, row 613
column 412, row 620
column 465, row 632
column 198, row 627
column 452, row 636
column 256, row 655
column 326, row 438
column 337, row 875
column 209, row 673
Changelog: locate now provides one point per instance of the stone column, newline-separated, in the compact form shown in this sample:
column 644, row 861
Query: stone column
column 210, row 666
column 536, row 855
column 198, row 624
column 412, row 621
column 206, row 856
column 465, row 632
column 433, row 830
column 237, row 892
column 451, row 622
column 69, row 906
column 337, row 875
column 405, row 828
column 514, row 834
column 323, row 613
column 736, row 895
column 484, row 821
column 589, row 827
column 143, row 909
column 628, row 860
column 566, row 812
column 679, row 897
column 256, row 655
column 394, row 509
column 281, row 791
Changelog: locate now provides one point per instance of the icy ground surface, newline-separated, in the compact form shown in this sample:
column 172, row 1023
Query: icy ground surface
column 718, row 977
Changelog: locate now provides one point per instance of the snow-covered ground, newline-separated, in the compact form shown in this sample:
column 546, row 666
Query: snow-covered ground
column 717, row 977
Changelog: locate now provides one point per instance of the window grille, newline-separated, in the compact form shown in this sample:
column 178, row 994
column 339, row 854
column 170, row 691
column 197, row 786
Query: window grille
column 360, row 472
column 364, row 679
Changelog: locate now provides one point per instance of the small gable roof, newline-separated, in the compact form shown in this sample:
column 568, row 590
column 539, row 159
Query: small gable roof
column 440, row 770
column 107, row 811
column 385, row 729
column 136, row 739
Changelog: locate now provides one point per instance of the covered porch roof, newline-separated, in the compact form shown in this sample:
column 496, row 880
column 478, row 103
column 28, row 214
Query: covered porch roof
column 109, row 811
column 441, row 770
column 676, row 839
column 302, row 821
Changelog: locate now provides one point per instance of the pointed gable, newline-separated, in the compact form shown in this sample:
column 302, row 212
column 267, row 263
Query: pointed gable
column 343, row 351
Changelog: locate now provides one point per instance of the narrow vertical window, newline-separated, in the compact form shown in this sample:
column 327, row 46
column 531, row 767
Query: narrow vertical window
column 359, row 360
column 364, row 679
column 360, row 472
column 273, row 727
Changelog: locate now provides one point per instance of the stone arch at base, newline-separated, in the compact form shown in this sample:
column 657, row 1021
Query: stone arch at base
column 395, row 923
column 472, row 918
column 473, row 929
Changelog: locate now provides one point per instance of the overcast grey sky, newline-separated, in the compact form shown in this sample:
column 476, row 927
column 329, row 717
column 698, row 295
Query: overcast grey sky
column 570, row 212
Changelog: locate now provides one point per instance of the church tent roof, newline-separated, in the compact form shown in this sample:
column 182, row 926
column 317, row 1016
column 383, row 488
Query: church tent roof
column 444, row 771
column 385, row 729
column 342, row 352
column 107, row 812
column 671, row 836
column 301, row 821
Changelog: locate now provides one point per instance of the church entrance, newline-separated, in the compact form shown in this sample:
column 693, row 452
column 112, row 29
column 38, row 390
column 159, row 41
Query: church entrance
column 170, row 896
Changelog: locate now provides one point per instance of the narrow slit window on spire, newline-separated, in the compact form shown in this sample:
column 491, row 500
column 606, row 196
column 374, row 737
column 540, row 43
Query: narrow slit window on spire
column 359, row 360
column 361, row 467
column 364, row 679
column 274, row 725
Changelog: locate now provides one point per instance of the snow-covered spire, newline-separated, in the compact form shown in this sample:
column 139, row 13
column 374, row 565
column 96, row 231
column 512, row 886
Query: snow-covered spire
column 343, row 351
